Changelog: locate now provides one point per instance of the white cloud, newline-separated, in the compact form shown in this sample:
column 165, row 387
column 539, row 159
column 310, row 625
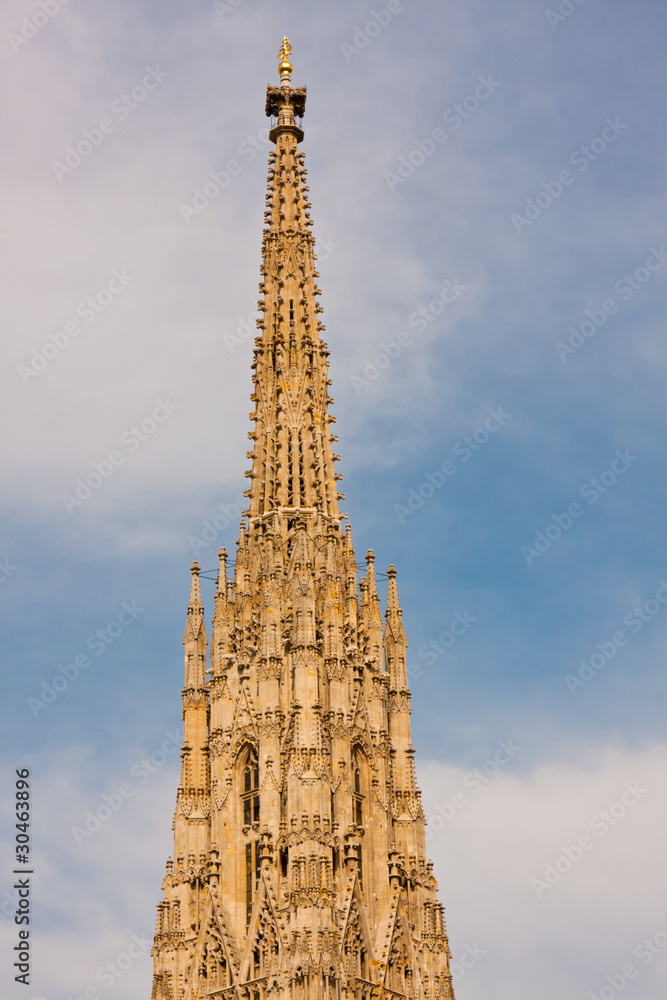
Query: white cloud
column 163, row 336
column 91, row 899
column 588, row 925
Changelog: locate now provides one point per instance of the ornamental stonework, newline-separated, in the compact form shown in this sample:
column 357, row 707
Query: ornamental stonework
column 299, row 869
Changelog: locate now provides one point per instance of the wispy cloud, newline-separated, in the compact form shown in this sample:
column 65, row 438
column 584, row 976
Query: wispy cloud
column 554, row 75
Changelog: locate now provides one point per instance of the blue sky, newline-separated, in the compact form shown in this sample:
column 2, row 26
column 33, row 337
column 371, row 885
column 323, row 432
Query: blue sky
column 541, row 203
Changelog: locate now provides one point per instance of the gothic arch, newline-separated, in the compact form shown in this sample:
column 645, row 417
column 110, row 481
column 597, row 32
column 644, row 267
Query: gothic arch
column 215, row 962
column 399, row 961
column 263, row 949
column 247, row 783
column 356, row 947
column 360, row 783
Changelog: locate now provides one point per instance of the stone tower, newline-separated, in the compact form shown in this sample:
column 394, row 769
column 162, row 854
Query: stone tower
column 299, row 868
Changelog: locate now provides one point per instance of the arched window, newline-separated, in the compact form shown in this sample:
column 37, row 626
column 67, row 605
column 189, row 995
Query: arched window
column 250, row 809
column 358, row 776
column 359, row 800
column 250, row 788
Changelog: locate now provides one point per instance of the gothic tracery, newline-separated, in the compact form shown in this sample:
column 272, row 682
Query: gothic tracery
column 299, row 865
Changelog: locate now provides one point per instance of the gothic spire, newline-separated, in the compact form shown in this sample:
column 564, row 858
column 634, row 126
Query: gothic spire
column 299, row 854
column 190, row 833
column 194, row 638
column 374, row 624
column 293, row 460
column 394, row 637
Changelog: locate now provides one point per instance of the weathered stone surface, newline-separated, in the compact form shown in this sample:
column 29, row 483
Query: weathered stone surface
column 299, row 866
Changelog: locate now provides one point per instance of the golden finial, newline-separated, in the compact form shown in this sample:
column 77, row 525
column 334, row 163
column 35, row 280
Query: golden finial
column 285, row 66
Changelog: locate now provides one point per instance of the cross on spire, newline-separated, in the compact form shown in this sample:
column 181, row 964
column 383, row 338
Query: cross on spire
column 285, row 67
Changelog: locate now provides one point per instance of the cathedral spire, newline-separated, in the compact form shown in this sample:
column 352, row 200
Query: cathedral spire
column 299, row 856
column 293, row 460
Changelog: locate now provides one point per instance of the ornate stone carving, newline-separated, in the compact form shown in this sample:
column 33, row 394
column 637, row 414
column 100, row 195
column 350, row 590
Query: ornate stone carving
column 299, row 853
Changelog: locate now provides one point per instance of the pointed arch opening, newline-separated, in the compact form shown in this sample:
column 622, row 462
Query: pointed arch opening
column 250, row 787
column 359, row 786
column 360, row 800
column 214, row 972
column 249, row 802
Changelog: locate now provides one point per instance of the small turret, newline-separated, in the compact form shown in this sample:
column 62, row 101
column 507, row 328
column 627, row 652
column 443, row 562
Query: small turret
column 395, row 644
